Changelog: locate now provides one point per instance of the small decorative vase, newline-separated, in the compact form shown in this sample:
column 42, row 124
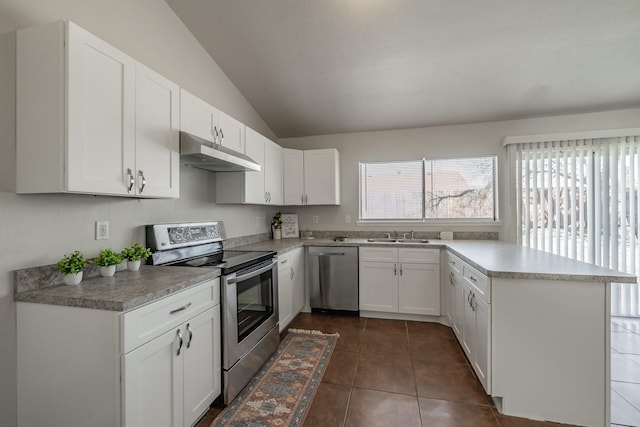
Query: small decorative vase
column 133, row 265
column 108, row 271
column 72, row 278
column 277, row 234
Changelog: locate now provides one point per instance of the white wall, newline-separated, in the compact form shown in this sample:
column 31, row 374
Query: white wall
column 39, row 229
column 437, row 142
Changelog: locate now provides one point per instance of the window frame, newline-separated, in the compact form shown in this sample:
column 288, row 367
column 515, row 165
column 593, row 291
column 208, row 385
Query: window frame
column 433, row 221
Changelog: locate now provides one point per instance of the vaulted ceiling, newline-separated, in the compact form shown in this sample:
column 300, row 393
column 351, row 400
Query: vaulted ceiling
column 313, row 67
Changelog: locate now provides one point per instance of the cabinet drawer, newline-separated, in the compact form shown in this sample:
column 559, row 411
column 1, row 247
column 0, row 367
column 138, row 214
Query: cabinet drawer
column 284, row 265
column 150, row 321
column 478, row 281
column 453, row 262
column 428, row 256
column 378, row 254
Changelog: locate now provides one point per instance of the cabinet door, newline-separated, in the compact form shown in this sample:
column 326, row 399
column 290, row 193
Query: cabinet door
column 322, row 177
column 153, row 383
column 273, row 172
column 481, row 364
column 285, row 289
column 419, row 289
column 196, row 116
column 469, row 324
column 458, row 306
column 202, row 364
column 254, row 181
column 297, row 274
column 157, row 139
column 378, row 286
column 293, row 177
column 101, row 115
column 232, row 132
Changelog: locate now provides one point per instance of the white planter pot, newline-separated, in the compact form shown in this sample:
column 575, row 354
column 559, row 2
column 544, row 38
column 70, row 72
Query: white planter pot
column 133, row 265
column 108, row 271
column 277, row 234
column 72, row 279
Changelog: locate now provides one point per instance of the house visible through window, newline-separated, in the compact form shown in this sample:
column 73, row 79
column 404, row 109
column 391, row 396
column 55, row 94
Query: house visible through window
column 429, row 189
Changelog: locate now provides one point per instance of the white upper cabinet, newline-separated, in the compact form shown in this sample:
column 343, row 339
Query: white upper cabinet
column 312, row 177
column 259, row 188
column 293, row 177
column 80, row 114
column 157, row 138
column 204, row 120
column 273, row 174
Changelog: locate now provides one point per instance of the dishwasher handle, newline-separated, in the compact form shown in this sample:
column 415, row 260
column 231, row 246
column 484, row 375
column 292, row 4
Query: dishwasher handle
column 329, row 254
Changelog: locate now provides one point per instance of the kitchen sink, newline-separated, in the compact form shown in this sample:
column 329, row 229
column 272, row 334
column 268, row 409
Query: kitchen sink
column 388, row 240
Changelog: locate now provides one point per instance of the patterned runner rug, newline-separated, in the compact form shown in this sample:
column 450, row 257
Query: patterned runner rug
column 282, row 391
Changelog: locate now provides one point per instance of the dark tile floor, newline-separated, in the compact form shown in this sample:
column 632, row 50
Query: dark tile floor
column 396, row 373
column 625, row 371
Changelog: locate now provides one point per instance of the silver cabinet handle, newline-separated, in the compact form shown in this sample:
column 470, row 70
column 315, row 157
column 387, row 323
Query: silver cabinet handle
column 216, row 135
column 132, row 180
column 177, row 310
column 395, row 269
column 451, row 278
column 190, row 335
column 284, row 261
column 473, row 298
column 221, row 136
column 292, row 274
column 472, row 278
column 401, row 269
column 144, row 180
column 302, row 199
column 180, row 343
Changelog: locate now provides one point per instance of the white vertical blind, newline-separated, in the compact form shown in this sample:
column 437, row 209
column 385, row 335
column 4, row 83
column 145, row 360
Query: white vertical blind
column 579, row 198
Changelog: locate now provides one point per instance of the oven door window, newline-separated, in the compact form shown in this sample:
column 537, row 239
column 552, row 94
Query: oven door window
column 255, row 303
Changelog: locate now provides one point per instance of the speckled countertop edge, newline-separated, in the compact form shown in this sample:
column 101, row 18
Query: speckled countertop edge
column 122, row 292
column 492, row 258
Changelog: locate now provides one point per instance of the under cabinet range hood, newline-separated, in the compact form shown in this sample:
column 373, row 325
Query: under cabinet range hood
column 202, row 154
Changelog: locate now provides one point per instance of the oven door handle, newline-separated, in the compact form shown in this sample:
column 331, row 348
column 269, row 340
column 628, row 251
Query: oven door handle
column 252, row 274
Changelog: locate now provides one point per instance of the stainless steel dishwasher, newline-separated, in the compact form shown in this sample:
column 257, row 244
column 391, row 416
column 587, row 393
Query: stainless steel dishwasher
column 333, row 278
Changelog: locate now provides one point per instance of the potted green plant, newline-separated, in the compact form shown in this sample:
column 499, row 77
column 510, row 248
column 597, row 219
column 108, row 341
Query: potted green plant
column 107, row 260
column 134, row 255
column 71, row 266
column 276, row 224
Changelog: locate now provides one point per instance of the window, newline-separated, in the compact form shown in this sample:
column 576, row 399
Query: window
column 429, row 189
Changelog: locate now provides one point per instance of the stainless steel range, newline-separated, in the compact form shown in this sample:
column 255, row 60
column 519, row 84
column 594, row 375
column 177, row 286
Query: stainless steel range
column 249, row 294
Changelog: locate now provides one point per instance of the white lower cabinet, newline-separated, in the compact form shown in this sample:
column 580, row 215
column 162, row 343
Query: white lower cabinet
column 172, row 380
column 290, row 286
column 156, row 365
column 469, row 314
column 400, row 280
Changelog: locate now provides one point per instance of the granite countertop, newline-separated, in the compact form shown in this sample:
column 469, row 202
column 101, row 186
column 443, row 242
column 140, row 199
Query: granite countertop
column 122, row 292
column 492, row 258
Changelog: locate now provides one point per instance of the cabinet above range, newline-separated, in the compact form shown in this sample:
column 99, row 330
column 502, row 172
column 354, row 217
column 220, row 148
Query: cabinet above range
column 90, row 119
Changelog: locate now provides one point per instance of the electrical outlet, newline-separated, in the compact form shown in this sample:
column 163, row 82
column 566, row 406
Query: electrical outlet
column 102, row 230
column 347, row 219
column 258, row 221
column 315, row 219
